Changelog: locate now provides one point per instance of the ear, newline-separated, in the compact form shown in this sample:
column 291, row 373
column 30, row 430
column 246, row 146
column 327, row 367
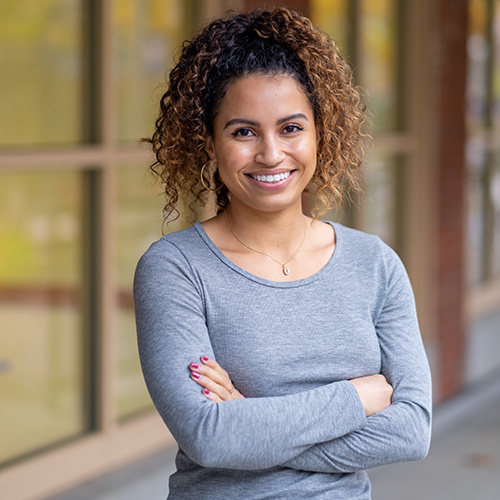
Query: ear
column 210, row 148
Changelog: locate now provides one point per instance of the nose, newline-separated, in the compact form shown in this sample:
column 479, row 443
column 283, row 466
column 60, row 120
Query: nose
column 270, row 152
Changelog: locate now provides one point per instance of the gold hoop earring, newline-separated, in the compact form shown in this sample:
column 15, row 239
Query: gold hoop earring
column 202, row 180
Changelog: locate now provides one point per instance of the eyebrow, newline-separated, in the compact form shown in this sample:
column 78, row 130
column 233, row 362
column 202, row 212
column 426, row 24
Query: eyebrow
column 243, row 121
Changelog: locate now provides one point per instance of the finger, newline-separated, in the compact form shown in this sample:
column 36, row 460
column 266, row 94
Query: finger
column 212, row 396
column 211, row 363
column 213, row 386
column 210, row 368
column 210, row 373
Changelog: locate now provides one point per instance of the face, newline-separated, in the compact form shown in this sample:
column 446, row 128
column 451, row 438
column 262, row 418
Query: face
column 264, row 142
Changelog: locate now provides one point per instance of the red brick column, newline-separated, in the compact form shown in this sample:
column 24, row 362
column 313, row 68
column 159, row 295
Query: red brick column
column 450, row 49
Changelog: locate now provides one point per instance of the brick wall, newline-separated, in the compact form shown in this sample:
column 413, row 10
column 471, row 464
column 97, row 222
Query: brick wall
column 449, row 245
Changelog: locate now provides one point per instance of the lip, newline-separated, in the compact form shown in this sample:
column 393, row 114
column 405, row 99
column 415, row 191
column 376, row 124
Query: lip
column 272, row 185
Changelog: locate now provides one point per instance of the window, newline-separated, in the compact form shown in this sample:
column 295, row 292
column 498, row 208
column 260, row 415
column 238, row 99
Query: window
column 371, row 35
column 42, row 383
column 80, row 85
column 483, row 148
column 41, row 68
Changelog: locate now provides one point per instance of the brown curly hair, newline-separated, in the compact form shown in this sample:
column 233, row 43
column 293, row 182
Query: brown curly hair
column 277, row 42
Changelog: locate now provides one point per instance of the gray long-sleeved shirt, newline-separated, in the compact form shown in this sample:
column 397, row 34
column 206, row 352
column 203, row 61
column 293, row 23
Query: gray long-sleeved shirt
column 290, row 348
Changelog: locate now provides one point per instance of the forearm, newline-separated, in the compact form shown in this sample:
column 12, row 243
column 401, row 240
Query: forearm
column 398, row 434
column 255, row 433
column 402, row 431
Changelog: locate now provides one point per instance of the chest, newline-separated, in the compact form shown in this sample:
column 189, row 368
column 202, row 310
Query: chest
column 276, row 341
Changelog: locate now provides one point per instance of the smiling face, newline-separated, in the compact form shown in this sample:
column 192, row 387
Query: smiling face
column 264, row 142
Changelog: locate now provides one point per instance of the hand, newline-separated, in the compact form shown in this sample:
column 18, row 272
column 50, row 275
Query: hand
column 375, row 393
column 217, row 385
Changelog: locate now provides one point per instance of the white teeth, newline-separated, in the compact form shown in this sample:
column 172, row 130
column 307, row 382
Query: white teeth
column 270, row 178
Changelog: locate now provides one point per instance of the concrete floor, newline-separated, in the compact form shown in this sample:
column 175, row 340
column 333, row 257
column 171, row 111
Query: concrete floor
column 463, row 463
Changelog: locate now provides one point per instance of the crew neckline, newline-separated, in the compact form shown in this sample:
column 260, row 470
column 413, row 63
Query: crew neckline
column 277, row 284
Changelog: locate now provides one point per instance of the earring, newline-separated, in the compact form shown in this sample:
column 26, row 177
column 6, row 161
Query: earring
column 202, row 180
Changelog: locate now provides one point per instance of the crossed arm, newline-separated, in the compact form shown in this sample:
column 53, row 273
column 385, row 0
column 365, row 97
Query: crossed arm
column 368, row 447
column 323, row 430
column 374, row 391
column 395, row 431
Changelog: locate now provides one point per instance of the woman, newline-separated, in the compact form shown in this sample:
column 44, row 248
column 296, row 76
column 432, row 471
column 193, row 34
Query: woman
column 271, row 342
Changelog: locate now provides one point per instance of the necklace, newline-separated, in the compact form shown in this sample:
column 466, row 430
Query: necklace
column 284, row 266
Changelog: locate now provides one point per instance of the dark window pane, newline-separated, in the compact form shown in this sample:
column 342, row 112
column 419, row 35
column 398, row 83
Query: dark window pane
column 382, row 211
column 496, row 66
column 476, row 227
column 478, row 52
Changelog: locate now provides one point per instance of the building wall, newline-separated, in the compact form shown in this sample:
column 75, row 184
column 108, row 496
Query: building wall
column 451, row 38
column 74, row 179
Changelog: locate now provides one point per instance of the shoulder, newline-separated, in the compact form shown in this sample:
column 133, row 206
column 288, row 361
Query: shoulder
column 172, row 254
column 367, row 251
column 173, row 245
column 363, row 244
column 376, row 265
column 355, row 236
column 165, row 273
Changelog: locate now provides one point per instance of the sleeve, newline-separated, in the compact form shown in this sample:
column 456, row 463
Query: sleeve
column 252, row 433
column 402, row 431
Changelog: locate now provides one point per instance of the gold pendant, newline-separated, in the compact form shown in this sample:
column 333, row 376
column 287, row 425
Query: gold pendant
column 286, row 271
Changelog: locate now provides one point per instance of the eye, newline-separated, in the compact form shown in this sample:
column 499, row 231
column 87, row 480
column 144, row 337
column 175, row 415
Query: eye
column 290, row 129
column 242, row 132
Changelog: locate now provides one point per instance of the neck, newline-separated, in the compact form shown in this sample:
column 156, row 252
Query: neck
column 275, row 232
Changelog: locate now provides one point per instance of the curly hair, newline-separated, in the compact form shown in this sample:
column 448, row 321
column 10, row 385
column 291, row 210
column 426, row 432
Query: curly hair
column 256, row 42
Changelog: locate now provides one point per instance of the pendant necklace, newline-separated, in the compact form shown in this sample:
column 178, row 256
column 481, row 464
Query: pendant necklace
column 284, row 266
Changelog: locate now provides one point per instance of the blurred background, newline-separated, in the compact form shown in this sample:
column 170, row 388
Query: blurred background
column 80, row 82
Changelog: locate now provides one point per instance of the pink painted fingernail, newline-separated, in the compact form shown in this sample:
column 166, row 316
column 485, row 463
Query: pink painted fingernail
column 195, row 365
column 204, row 358
column 195, row 374
column 206, row 391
